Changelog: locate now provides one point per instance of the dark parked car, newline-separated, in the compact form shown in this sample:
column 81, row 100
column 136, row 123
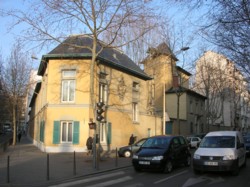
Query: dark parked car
column 162, row 153
column 247, row 144
column 127, row 151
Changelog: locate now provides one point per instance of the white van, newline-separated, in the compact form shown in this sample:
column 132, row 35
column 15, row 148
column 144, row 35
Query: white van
column 220, row 151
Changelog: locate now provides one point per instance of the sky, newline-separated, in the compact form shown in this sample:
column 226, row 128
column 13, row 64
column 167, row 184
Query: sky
column 7, row 38
column 180, row 19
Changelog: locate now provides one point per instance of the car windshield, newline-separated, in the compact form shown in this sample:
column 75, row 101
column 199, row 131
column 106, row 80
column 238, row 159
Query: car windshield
column 158, row 143
column 140, row 142
column 218, row 142
column 247, row 139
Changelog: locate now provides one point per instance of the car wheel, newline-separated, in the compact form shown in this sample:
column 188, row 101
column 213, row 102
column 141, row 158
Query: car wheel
column 168, row 167
column 137, row 169
column 245, row 162
column 127, row 154
column 187, row 163
column 196, row 171
column 236, row 171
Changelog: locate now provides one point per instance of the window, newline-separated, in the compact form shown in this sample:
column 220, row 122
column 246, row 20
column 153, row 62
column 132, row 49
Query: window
column 102, row 132
column 135, row 92
column 103, row 88
column 103, row 93
column 135, row 111
column 66, row 132
column 191, row 107
column 68, row 85
column 135, row 86
column 182, row 141
column 218, row 142
column 196, row 108
column 191, row 128
column 175, row 143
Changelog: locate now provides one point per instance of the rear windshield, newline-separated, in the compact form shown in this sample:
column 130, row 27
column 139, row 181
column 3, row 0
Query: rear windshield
column 162, row 142
column 218, row 142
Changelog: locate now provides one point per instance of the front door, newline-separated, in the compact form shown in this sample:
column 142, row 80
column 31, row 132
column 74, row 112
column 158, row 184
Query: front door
column 169, row 127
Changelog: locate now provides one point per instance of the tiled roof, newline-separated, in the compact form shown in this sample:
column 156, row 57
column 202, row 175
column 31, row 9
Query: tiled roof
column 79, row 47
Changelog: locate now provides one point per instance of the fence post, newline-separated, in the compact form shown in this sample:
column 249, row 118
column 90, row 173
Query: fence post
column 74, row 164
column 116, row 157
column 47, row 166
column 8, row 169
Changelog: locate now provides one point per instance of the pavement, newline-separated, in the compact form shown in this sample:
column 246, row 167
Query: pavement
column 25, row 165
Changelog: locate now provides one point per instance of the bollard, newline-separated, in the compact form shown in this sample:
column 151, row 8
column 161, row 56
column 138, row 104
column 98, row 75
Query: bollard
column 8, row 169
column 74, row 164
column 116, row 157
column 47, row 166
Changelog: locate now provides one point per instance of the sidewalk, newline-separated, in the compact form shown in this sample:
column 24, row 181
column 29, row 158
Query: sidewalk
column 28, row 165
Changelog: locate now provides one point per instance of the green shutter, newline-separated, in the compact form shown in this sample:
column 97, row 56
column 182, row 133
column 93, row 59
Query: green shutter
column 42, row 124
column 76, row 132
column 109, row 134
column 56, row 132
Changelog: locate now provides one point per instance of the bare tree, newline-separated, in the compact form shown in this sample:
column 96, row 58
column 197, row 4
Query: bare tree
column 53, row 20
column 226, row 24
column 214, row 76
column 230, row 31
column 15, row 82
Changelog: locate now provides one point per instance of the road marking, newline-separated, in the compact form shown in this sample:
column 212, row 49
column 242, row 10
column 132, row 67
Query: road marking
column 89, row 179
column 162, row 180
column 135, row 185
column 112, row 182
column 194, row 181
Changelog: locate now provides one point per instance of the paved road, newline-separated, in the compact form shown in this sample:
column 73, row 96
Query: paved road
column 180, row 177
column 28, row 165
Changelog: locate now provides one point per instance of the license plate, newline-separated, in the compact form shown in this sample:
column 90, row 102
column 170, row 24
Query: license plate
column 211, row 163
column 144, row 163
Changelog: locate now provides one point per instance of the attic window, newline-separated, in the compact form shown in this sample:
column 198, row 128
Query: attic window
column 114, row 55
column 136, row 86
column 103, row 77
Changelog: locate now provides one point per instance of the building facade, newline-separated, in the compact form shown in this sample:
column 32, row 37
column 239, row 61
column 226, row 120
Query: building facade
column 62, row 111
column 63, row 108
column 227, row 106
column 171, row 94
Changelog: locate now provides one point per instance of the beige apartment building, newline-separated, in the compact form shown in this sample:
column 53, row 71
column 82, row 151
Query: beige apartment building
column 219, row 79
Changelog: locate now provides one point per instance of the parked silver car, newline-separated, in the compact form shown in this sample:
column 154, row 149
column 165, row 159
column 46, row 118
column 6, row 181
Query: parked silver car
column 127, row 151
column 194, row 142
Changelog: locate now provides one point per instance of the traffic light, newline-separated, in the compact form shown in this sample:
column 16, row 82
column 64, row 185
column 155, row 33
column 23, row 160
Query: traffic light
column 100, row 111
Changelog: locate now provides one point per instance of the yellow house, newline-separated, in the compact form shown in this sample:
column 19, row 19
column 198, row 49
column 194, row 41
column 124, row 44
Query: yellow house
column 61, row 110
